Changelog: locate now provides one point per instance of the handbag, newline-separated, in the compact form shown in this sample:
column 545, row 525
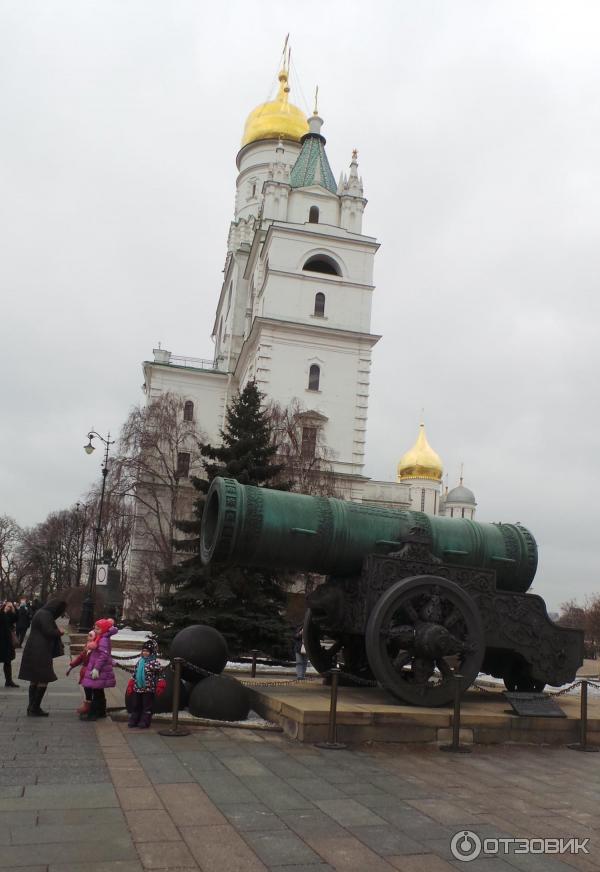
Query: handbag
column 13, row 639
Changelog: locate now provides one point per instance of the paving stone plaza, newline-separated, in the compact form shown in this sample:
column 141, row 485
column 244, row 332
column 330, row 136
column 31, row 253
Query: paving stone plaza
column 85, row 797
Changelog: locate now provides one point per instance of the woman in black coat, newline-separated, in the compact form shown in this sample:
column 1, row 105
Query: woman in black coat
column 8, row 619
column 44, row 643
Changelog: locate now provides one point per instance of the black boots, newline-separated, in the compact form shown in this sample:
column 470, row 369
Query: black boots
column 97, row 709
column 8, row 682
column 101, row 710
column 36, row 694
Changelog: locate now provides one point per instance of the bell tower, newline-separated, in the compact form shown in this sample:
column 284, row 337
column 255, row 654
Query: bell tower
column 294, row 311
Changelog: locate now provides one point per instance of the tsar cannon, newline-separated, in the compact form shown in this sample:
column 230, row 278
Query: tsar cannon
column 410, row 599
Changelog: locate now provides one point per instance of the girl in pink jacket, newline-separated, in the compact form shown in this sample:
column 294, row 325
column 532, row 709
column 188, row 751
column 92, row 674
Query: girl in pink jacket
column 99, row 672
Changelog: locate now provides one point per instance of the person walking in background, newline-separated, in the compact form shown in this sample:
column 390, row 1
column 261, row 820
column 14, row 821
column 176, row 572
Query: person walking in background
column 146, row 673
column 99, row 672
column 301, row 655
column 23, row 620
column 42, row 646
column 8, row 641
column 82, row 660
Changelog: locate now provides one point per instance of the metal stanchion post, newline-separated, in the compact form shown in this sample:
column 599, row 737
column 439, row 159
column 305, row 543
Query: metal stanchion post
column 582, row 745
column 253, row 671
column 332, row 744
column 456, row 747
column 175, row 729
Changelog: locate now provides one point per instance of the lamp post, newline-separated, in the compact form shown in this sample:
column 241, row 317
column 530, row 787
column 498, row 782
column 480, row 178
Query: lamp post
column 81, row 528
column 87, row 612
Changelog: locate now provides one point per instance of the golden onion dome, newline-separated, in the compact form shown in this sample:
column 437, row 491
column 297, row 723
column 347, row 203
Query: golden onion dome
column 421, row 461
column 277, row 119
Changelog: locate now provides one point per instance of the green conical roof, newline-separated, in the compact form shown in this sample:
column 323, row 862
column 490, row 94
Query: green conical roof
column 312, row 166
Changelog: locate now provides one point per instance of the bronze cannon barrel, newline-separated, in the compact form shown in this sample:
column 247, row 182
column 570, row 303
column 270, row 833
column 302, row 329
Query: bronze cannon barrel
column 252, row 526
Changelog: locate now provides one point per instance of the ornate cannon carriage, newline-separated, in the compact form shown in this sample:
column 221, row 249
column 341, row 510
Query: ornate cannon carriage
column 410, row 599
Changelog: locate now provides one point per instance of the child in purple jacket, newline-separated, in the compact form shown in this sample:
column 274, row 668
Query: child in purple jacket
column 99, row 672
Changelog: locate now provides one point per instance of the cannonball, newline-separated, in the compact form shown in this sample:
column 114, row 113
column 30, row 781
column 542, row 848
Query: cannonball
column 202, row 646
column 164, row 702
column 189, row 686
column 220, row 698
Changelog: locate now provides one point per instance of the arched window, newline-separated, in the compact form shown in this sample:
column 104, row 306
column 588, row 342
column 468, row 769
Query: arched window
column 314, row 376
column 321, row 263
column 320, row 304
column 313, row 215
column 188, row 411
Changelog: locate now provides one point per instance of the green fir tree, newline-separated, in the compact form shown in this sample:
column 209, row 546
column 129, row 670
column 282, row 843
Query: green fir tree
column 245, row 605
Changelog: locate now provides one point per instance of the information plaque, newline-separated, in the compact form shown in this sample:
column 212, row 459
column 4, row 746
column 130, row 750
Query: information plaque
column 534, row 705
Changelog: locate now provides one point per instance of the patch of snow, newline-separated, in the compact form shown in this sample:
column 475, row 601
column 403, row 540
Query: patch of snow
column 128, row 635
column 234, row 665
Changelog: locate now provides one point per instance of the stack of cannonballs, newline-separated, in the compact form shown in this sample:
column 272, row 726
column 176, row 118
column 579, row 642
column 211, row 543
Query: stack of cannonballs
column 214, row 696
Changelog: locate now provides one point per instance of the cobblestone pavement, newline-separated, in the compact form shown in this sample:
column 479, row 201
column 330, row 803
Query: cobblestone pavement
column 79, row 797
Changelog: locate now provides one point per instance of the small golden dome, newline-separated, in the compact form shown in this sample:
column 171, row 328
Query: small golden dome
column 421, row 461
column 277, row 119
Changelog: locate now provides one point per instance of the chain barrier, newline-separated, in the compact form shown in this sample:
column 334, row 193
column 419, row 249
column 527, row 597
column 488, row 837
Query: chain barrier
column 355, row 679
column 562, row 692
column 265, row 661
column 206, row 672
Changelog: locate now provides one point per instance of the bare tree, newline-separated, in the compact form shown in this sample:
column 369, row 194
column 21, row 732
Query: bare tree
column 51, row 551
column 572, row 615
column 302, row 449
column 14, row 568
column 159, row 447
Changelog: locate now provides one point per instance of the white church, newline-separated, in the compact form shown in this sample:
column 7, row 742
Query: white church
column 294, row 313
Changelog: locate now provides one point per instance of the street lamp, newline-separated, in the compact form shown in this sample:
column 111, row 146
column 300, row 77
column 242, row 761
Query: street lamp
column 81, row 528
column 87, row 612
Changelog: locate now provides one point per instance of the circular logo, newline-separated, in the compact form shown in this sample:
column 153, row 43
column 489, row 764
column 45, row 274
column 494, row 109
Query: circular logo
column 465, row 846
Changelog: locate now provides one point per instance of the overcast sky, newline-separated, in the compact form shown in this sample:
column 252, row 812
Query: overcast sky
column 478, row 130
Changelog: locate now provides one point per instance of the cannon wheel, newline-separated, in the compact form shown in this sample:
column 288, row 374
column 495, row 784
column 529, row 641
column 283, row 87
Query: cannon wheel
column 350, row 648
column 421, row 631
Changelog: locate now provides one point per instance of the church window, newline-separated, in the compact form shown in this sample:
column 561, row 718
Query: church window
column 451, row 513
column 314, row 377
column 422, row 499
column 229, row 297
column 183, row 464
column 188, row 411
column 320, row 304
column 253, row 190
column 321, row 263
column 463, row 512
column 309, row 442
column 313, row 215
